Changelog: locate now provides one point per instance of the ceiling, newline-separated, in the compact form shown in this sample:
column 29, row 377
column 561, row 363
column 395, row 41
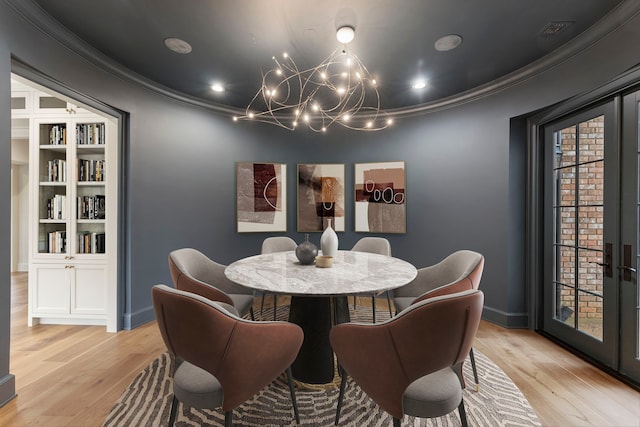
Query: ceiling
column 233, row 41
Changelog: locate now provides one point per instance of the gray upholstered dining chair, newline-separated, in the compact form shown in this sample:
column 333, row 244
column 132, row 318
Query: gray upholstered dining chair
column 193, row 271
column 375, row 245
column 276, row 244
column 221, row 360
column 461, row 270
column 418, row 356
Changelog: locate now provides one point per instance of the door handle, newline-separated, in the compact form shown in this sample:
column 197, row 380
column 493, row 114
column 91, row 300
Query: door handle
column 607, row 270
column 626, row 268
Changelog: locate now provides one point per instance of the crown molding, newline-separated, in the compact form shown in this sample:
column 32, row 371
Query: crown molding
column 30, row 11
column 616, row 18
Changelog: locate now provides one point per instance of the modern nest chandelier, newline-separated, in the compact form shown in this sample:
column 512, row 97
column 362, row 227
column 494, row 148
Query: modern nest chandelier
column 339, row 90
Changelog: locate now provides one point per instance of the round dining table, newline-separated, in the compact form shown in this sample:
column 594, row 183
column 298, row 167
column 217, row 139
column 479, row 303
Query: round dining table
column 318, row 296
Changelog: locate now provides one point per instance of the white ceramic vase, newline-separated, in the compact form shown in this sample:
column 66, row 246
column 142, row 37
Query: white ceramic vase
column 329, row 241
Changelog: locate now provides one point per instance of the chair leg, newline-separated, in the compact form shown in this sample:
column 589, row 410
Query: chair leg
column 253, row 317
column 463, row 413
column 292, row 390
column 228, row 419
column 354, row 302
column 389, row 302
column 396, row 422
column 475, row 371
column 173, row 411
column 373, row 307
column 343, row 383
column 262, row 304
column 275, row 305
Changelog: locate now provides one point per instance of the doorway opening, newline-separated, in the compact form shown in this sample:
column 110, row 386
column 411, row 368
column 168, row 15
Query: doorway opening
column 65, row 158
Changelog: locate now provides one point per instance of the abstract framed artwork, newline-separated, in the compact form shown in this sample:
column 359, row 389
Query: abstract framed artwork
column 380, row 197
column 261, row 197
column 320, row 196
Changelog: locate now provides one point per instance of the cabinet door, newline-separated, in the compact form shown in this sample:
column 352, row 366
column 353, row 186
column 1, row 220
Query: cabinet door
column 50, row 172
column 88, row 289
column 50, row 289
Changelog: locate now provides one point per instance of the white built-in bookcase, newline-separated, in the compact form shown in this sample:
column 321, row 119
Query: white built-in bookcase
column 72, row 210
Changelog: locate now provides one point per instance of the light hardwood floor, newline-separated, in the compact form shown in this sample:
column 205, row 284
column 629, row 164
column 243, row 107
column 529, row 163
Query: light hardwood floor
column 72, row 375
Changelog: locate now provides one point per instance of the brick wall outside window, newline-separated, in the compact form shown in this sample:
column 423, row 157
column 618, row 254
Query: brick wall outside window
column 585, row 207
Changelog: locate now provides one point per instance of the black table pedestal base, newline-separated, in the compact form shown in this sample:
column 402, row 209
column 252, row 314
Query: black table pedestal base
column 315, row 364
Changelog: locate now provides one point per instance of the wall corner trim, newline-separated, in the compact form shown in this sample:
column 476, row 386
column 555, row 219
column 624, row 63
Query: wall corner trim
column 504, row 319
column 7, row 389
column 139, row 318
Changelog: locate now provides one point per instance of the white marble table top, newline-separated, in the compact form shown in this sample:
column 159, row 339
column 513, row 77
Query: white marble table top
column 352, row 273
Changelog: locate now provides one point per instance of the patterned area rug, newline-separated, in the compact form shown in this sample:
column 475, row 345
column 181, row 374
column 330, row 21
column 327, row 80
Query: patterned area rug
column 147, row 400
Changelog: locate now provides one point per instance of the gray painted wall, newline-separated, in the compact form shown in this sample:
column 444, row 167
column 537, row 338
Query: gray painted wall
column 465, row 171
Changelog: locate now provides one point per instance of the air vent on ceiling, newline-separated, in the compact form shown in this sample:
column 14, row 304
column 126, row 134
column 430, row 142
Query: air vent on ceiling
column 554, row 28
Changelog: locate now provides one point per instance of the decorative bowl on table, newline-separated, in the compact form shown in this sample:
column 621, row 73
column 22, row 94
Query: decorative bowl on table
column 324, row 261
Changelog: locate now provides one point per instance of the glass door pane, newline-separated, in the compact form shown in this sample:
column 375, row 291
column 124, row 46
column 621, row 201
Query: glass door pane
column 579, row 295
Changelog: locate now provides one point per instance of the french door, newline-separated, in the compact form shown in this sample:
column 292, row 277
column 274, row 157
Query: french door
column 590, row 295
column 630, row 235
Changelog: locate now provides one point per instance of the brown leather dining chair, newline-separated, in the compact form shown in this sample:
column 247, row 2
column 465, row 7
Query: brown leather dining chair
column 462, row 270
column 193, row 271
column 221, row 359
column 375, row 245
column 418, row 356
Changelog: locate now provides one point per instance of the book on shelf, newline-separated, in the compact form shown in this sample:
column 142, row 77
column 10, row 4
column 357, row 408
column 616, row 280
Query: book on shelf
column 57, row 207
column 57, row 242
column 90, row 134
column 58, row 134
column 91, row 207
column 90, row 170
column 91, row 242
column 57, row 170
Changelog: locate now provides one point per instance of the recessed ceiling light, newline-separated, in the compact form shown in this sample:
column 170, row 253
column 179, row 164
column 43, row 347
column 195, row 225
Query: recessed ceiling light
column 449, row 42
column 217, row 87
column 177, row 45
column 419, row 84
